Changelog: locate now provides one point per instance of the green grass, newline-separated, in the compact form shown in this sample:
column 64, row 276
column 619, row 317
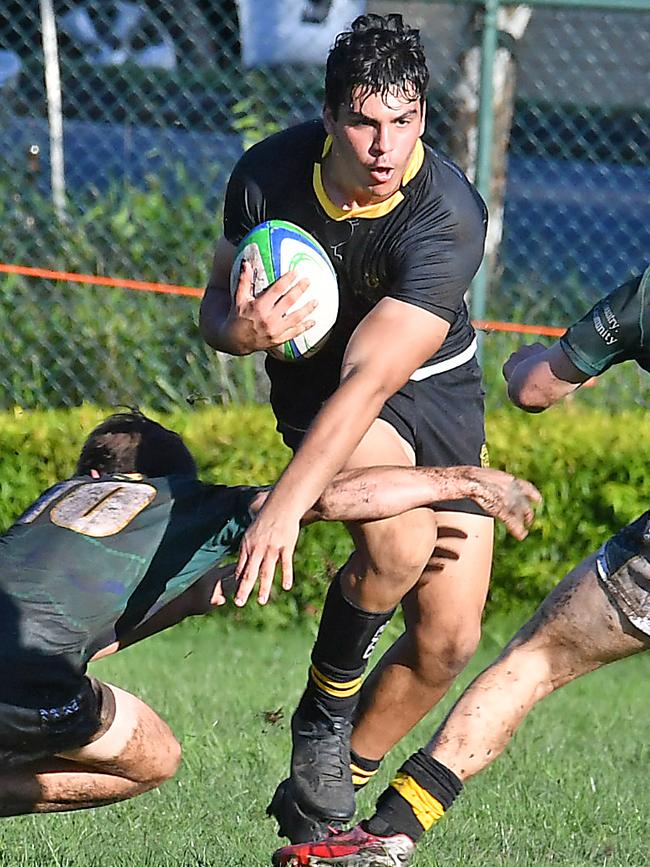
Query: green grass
column 571, row 790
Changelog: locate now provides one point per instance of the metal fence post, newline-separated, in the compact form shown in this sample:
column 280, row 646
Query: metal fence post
column 484, row 148
column 54, row 105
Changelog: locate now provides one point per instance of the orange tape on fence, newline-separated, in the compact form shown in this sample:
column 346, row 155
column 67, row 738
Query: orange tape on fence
column 141, row 285
column 173, row 289
column 516, row 327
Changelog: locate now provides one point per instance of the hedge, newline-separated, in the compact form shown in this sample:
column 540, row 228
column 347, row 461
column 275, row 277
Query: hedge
column 590, row 466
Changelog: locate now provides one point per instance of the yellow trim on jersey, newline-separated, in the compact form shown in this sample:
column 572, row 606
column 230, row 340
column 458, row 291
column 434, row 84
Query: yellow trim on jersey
column 367, row 211
column 334, row 687
column 426, row 808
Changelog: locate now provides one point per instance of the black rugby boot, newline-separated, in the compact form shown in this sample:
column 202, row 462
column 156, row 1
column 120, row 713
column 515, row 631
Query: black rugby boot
column 320, row 762
column 293, row 822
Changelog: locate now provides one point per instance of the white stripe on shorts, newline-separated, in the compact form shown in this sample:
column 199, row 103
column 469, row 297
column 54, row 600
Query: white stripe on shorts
column 447, row 364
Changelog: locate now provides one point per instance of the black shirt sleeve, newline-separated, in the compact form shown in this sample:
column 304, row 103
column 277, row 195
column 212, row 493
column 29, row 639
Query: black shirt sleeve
column 439, row 254
column 612, row 331
column 244, row 202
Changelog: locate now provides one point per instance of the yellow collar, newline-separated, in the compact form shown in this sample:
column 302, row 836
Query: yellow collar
column 367, row 211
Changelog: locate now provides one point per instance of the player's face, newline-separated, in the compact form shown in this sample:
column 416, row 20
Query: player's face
column 373, row 139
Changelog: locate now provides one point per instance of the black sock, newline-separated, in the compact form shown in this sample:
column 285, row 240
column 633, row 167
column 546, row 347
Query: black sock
column 420, row 794
column 363, row 770
column 346, row 638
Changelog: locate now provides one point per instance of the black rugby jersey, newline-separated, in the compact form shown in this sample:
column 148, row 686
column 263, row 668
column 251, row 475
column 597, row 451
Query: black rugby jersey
column 421, row 246
column 91, row 559
column 616, row 329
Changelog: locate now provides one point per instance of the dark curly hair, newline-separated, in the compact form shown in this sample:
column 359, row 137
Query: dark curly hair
column 379, row 54
column 129, row 442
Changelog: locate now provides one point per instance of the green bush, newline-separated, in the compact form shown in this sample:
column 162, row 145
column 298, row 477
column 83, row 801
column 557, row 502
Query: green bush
column 587, row 464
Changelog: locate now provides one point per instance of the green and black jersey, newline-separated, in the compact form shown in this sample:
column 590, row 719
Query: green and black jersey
column 91, row 559
column 422, row 246
column 616, row 329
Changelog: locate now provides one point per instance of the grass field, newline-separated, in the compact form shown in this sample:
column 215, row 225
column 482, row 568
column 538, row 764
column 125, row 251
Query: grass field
column 572, row 790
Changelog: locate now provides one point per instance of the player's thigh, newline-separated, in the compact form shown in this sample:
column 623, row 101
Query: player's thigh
column 443, row 611
column 457, row 577
column 380, row 445
column 404, row 542
column 579, row 626
column 133, row 740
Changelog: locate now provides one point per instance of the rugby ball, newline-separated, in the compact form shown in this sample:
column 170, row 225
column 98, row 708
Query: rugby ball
column 275, row 247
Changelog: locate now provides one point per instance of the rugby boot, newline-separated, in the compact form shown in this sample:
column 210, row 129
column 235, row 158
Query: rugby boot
column 292, row 820
column 320, row 763
column 356, row 848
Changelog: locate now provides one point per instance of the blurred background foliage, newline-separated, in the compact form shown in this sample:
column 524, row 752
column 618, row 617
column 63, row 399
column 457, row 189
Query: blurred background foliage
column 160, row 99
column 586, row 462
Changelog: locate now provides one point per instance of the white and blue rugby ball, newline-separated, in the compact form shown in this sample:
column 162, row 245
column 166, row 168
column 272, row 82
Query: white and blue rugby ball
column 275, row 247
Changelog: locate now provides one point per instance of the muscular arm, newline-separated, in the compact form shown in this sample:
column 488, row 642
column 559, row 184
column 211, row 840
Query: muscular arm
column 539, row 377
column 375, row 366
column 215, row 304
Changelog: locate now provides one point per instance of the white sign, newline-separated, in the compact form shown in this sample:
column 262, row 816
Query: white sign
column 275, row 32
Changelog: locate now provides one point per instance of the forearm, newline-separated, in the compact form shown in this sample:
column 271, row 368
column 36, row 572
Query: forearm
column 200, row 598
column 215, row 326
column 168, row 616
column 382, row 492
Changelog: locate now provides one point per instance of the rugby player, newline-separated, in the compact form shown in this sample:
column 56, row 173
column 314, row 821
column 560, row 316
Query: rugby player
column 599, row 613
column 130, row 545
column 396, row 383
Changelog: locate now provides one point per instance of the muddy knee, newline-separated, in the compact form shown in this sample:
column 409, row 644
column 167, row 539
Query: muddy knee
column 162, row 766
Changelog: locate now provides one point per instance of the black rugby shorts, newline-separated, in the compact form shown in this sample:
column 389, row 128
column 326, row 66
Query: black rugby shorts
column 441, row 418
column 31, row 734
column 623, row 567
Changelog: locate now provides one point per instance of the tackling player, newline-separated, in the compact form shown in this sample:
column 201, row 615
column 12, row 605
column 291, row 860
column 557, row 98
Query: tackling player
column 127, row 547
column 397, row 382
column 598, row 613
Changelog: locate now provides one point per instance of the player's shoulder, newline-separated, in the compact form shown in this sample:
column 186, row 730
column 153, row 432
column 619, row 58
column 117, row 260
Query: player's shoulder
column 198, row 494
column 283, row 150
column 442, row 170
column 443, row 187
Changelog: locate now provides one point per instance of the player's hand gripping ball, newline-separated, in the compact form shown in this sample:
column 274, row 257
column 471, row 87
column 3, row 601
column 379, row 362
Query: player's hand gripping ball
column 275, row 247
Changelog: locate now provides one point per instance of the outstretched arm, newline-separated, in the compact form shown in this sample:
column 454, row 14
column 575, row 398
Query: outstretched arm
column 360, row 495
column 381, row 492
column 373, row 493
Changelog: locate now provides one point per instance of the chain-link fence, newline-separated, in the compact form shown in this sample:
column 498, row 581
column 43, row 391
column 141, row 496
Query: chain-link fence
column 157, row 99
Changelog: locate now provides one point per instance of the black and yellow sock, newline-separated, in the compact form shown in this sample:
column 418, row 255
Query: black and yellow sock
column 419, row 795
column 363, row 770
column 346, row 638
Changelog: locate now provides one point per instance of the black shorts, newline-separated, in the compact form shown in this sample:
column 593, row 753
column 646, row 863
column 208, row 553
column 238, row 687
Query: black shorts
column 623, row 567
column 31, row 734
column 441, row 418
